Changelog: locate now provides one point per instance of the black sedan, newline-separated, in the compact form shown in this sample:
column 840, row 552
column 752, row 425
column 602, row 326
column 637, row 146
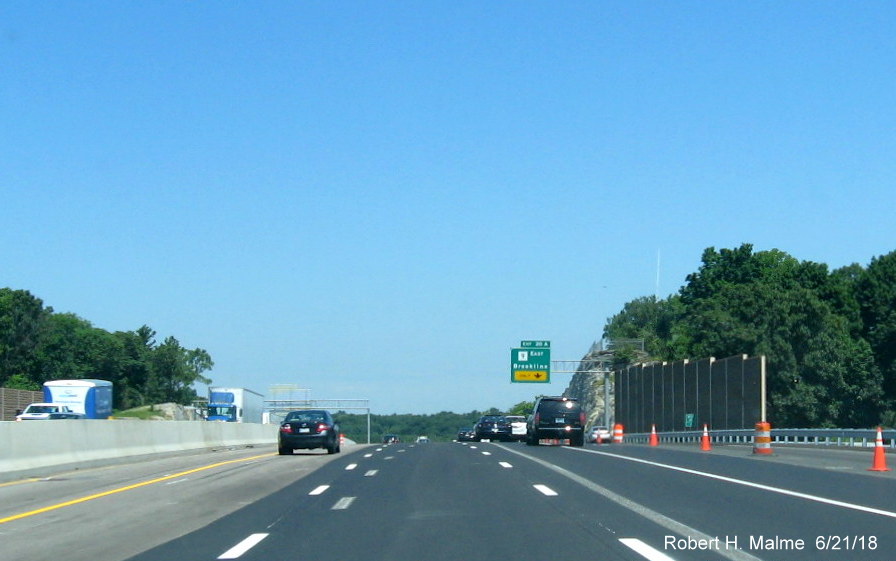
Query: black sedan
column 493, row 427
column 308, row 429
column 465, row 434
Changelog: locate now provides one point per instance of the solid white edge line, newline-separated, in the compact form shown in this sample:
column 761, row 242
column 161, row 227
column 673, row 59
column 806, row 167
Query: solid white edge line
column 645, row 550
column 544, row 489
column 236, row 551
column 319, row 489
column 769, row 488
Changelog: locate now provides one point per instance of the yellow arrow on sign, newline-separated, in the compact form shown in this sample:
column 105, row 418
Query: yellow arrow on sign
column 530, row 375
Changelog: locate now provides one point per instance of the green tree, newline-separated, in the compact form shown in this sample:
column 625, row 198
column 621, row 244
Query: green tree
column 21, row 382
column 136, row 368
column 175, row 370
column 154, row 373
column 769, row 303
column 833, row 382
column 22, row 319
column 523, row 408
column 71, row 348
column 877, row 301
column 806, row 321
column 650, row 320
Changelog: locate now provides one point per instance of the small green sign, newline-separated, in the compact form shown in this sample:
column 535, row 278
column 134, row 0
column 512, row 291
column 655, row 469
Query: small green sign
column 690, row 420
column 536, row 344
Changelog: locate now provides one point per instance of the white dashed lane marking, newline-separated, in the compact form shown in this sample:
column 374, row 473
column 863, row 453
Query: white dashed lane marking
column 239, row 549
column 343, row 503
column 545, row 490
column 645, row 550
column 319, row 490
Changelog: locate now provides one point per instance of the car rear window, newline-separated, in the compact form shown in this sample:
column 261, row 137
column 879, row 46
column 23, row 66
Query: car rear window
column 306, row 417
column 552, row 407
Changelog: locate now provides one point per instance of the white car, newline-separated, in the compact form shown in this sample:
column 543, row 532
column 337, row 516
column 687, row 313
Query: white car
column 600, row 434
column 517, row 427
column 45, row 411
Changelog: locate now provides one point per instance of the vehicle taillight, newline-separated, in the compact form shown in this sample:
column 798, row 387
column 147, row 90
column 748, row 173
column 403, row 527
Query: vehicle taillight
column 582, row 418
column 322, row 427
column 537, row 418
column 286, row 428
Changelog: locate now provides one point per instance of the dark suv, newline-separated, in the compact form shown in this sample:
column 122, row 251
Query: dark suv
column 556, row 418
column 308, row 429
column 492, row 427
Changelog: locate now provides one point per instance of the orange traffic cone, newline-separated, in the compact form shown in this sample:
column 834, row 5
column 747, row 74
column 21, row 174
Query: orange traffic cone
column 880, row 462
column 705, row 444
column 654, row 439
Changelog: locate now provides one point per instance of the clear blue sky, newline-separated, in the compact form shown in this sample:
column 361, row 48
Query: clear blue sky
column 379, row 199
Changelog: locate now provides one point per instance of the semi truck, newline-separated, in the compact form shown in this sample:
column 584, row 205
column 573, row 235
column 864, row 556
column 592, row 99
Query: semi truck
column 234, row 405
column 90, row 398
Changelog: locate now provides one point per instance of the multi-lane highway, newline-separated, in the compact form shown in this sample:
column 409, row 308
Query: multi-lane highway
column 451, row 501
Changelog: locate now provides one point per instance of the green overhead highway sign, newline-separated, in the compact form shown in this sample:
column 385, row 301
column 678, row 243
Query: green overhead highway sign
column 531, row 363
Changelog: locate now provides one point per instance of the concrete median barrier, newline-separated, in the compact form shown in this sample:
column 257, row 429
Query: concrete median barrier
column 29, row 445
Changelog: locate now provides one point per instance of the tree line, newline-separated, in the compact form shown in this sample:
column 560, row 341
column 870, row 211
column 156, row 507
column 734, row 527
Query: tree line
column 441, row 426
column 38, row 344
column 829, row 336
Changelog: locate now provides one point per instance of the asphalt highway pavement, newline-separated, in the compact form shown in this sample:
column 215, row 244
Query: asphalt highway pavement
column 475, row 501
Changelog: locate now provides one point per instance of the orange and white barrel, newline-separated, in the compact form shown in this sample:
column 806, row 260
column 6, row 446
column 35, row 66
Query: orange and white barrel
column 762, row 439
column 617, row 434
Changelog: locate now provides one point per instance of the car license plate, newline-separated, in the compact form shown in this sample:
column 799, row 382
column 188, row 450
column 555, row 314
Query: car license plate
column 304, row 430
column 560, row 421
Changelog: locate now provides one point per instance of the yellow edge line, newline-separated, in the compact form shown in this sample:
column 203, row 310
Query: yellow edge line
column 19, row 482
column 121, row 489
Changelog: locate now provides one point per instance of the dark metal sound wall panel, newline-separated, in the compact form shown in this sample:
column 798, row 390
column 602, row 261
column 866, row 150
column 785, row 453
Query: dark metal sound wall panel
column 725, row 394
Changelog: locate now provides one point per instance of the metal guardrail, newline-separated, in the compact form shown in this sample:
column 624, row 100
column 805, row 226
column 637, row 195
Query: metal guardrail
column 854, row 438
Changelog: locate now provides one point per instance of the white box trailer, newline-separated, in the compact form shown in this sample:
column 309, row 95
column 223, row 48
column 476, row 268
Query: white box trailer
column 234, row 405
column 90, row 398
